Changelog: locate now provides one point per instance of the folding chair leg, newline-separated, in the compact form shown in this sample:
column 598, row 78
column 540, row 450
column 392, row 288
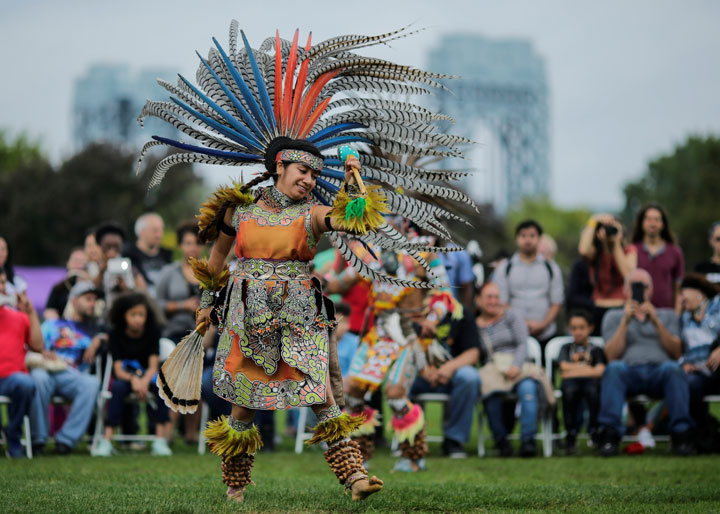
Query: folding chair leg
column 28, row 437
column 481, row 434
column 204, row 415
column 547, row 435
column 299, row 436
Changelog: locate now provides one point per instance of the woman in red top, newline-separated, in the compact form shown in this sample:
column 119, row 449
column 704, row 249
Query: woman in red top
column 602, row 244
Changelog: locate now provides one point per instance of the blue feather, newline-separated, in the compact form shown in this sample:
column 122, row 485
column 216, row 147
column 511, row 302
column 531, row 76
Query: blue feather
column 320, row 197
column 227, row 131
column 336, row 141
column 262, row 89
column 367, row 247
column 332, row 130
column 327, row 185
column 239, row 106
column 247, row 94
column 208, row 151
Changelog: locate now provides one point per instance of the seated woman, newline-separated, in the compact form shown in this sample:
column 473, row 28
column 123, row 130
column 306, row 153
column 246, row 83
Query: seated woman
column 700, row 327
column 503, row 334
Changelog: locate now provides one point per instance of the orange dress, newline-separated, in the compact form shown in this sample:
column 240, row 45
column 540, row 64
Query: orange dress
column 273, row 351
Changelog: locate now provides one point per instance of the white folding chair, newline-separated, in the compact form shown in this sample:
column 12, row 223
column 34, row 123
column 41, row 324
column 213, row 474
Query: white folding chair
column 27, row 440
column 103, row 397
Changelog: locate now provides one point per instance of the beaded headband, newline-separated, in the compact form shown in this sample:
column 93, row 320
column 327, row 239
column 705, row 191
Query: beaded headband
column 306, row 158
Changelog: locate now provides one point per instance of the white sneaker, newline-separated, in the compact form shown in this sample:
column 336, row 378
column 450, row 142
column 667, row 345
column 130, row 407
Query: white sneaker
column 160, row 448
column 645, row 438
column 103, row 449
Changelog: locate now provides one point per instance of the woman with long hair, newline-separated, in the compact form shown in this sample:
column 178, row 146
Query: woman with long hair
column 609, row 259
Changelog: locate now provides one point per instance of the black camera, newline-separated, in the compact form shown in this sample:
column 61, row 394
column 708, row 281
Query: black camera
column 610, row 230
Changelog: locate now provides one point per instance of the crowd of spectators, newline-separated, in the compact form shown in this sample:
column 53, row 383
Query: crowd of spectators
column 638, row 324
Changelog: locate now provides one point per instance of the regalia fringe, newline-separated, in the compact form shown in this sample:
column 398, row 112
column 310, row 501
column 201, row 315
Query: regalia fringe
column 369, row 424
column 225, row 441
column 336, row 429
column 410, row 425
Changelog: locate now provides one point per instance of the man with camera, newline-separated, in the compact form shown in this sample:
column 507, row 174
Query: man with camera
column 117, row 274
column 642, row 345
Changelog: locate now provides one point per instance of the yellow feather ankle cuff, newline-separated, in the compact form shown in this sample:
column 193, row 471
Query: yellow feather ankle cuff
column 336, row 428
column 224, row 440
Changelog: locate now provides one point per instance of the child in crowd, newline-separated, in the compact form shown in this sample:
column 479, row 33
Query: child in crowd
column 581, row 368
column 134, row 346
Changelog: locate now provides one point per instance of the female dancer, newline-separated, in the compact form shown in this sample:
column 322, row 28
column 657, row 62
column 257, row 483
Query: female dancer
column 274, row 105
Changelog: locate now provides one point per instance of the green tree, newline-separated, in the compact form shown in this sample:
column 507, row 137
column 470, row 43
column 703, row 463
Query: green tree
column 17, row 152
column 686, row 183
column 564, row 225
column 49, row 211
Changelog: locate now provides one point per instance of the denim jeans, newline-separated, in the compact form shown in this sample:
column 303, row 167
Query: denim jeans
column 463, row 389
column 20, row 388
column 121, row 389
column 526, row 391
column 666, row 380
column 79, row 388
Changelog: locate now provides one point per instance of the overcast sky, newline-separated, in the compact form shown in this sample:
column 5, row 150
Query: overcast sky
column 628, row 79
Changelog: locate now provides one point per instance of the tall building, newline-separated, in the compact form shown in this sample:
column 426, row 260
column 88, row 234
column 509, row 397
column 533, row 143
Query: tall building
column 501, row 102
column 107, row 101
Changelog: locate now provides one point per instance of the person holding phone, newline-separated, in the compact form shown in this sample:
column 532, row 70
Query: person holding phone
column 642, row 345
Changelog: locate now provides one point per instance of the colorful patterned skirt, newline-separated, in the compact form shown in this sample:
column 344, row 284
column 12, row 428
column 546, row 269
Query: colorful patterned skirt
column 273, row 351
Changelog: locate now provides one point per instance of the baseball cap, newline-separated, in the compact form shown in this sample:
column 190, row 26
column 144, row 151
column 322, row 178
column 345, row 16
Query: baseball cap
column 82, row 287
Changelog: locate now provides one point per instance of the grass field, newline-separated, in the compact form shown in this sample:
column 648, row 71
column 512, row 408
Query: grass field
column 287, row 482
column 187, row 482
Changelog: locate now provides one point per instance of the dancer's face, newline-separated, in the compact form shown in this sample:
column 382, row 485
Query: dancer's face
column 295, row 180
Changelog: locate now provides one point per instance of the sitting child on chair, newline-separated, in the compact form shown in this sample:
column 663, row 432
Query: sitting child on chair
column 581, row 367
column 134, row 346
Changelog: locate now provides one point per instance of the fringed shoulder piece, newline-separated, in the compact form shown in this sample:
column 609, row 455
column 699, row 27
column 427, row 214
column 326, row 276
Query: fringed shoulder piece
column 335, row 429
column 364, row 220
column 213, row 210
column 224, row 440
column 207, row 280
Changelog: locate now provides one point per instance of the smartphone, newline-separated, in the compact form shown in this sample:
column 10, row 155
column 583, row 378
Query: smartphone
column 637, row 290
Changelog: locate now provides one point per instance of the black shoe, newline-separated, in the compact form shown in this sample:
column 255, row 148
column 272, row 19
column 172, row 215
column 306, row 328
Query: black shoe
column 38, row 449
column 571, row 447
column 528, row 448
column 609, row 442
column 62, row 449
column 682, row 444
column 504, row 447
column 454, row 449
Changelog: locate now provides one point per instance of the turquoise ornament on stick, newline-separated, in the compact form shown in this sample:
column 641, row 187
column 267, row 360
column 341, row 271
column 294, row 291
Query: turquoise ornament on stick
column 356, row 208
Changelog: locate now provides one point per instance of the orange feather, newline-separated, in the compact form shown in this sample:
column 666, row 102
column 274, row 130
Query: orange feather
column 299, row 87
column 278, row 77
column 289, row 77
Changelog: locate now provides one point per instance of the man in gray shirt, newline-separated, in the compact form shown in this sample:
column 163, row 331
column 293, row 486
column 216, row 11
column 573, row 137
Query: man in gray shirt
column 642, row 345
column 530, row 284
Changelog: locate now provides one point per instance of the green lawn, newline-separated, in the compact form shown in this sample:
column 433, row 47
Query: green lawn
column 303, row 483
column 186, row 482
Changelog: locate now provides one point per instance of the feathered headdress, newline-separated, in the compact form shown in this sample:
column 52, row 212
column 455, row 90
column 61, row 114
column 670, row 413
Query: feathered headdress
column 245, row 98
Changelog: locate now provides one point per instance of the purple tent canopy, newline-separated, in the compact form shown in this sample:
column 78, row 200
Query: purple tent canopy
column 40, row 280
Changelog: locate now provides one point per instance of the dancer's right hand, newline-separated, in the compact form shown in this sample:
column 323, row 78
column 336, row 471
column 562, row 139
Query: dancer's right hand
column 202, row 319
